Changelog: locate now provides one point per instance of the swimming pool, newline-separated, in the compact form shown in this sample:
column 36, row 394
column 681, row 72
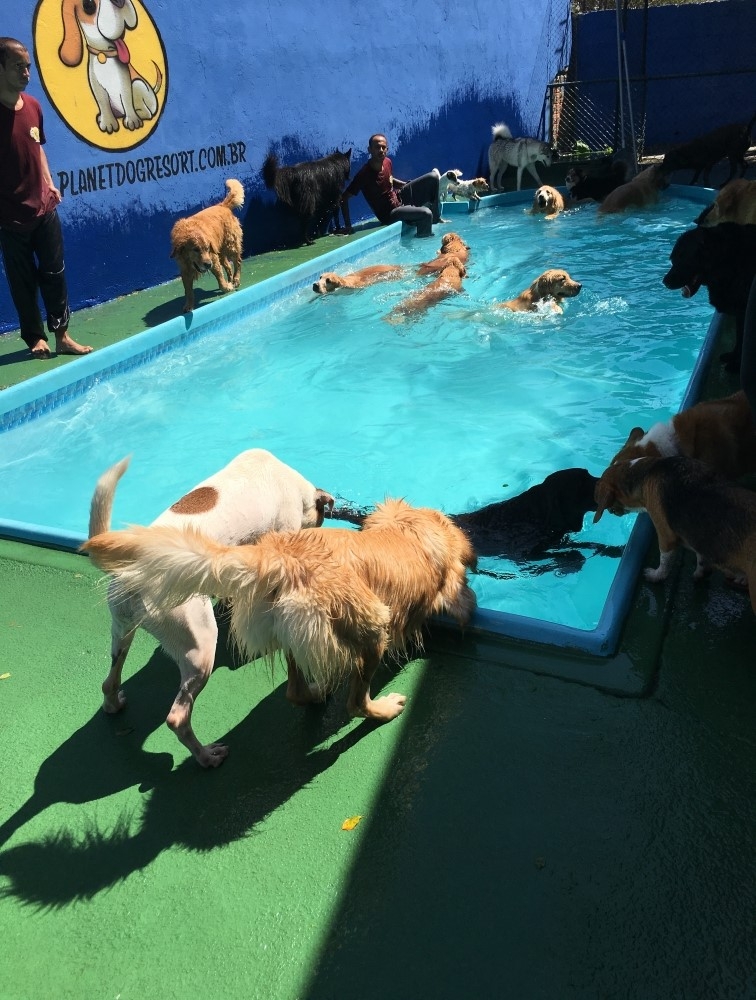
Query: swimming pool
column 464, row 407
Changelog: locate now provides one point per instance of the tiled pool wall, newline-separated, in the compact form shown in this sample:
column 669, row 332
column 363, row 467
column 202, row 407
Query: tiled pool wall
column 45, row 392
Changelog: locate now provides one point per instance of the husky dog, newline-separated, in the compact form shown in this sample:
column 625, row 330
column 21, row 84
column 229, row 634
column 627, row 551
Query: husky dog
column 523, row 154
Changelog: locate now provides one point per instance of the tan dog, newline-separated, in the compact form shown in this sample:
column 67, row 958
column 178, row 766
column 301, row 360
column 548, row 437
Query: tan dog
column 689, row 503
column 448, row 282
column 552, row 286
column 468, row 190
column 640, row 192
column 452, row 245
column 330, row 281
column 333, row 600
column 719, row 432
column 211, row 240
column 736, row 202
column 547, row 201
column 255, row 493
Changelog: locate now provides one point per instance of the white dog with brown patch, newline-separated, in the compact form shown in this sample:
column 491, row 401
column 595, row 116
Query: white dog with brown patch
column 254, row 494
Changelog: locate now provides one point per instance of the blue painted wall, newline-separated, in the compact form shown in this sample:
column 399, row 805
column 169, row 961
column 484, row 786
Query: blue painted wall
column 301, row 79
column 709, row 48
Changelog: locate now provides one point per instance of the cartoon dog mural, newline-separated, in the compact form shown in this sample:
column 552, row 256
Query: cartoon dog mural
column 119, row 90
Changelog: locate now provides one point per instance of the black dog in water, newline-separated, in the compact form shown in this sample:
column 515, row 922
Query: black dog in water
column 312, row 189
column 529, row 527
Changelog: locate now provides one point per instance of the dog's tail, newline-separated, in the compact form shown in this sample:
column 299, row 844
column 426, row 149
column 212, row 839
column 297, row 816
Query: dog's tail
column 269, row 171
column 235, row 196
column 169, row 565
column 501, row 131
column 101, row 506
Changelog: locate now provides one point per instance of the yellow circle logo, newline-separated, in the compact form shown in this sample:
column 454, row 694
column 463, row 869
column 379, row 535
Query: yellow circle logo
column 103, row 67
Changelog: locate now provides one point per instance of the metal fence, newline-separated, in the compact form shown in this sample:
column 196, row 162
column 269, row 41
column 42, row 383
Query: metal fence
column 585, row 119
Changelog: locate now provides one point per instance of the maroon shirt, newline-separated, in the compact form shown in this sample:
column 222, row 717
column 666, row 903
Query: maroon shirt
column 25, row 195
column 376, row 186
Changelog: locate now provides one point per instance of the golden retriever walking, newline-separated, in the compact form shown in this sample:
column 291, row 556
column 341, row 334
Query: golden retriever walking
column 210, row 240
column 333, row 600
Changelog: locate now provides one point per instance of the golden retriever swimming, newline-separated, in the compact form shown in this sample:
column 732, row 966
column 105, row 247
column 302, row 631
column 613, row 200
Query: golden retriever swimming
column 211, row 240
column 452, row 245
column 333, row 600
column 366, row 276
column 641, row 191
column 552, row 286
column 736, row 202
column 448, row 282
column 547, row 201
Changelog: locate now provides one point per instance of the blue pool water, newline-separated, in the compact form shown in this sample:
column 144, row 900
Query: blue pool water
column 465, row 406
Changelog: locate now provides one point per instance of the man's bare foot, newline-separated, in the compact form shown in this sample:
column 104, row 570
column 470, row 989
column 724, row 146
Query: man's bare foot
column 40, row 350
column 64, row 345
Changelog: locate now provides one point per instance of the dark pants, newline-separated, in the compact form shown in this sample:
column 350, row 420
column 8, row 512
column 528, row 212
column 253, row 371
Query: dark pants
column 420, row 205
column 34, row 264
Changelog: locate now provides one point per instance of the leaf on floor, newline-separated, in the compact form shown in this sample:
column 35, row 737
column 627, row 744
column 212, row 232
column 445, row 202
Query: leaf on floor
column 351, row 823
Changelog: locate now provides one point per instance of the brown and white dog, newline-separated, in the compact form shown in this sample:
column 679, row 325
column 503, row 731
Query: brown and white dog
column 719, row 432
column 552, row 287
column 366, row 276
column 640, row 192
column 467, row 190
column 448, row 282
column 735, row 202
column 452, row 245
column 444, row 180
column 210, row 240
column 99, row 26
column 334, row 601
column 547, row 201
column 254, row 494
column 688, row 503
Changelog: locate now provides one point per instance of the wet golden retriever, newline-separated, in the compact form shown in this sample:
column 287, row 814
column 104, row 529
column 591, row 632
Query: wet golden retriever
column 547, row 201
column 366, row 276
column 210, row 240
column 448, row 282
column 452, row 245
column 552, row 287
column 640, row 192
column 736, row 202
column 333, row 600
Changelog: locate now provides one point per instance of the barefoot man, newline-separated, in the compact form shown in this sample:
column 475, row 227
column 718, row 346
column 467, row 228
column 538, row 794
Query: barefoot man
column 31, row 238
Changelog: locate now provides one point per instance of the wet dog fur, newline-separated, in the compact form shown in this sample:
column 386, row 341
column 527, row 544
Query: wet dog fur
column 447, row 282
column 640, row 192
column 553, row 286
column 330, row 281
column 735, row 202
column 452, row 245
column 333, row 600
column 547, row 201
column 210, row 240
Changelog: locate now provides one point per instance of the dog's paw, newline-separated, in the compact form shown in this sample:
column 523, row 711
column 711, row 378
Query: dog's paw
column 655, row 575
column 113, row 702
column 386, row 708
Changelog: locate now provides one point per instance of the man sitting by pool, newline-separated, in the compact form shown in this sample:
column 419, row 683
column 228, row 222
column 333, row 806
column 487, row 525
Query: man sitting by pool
column 392, row 200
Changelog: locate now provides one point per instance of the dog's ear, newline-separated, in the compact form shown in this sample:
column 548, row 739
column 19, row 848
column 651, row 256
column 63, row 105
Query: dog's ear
column 635, row 435
column 604, row 496
column 71, row 49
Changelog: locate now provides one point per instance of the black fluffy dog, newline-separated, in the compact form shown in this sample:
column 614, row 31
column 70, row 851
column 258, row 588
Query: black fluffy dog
column 723, row 258
column 312, row 189
column 525, row 527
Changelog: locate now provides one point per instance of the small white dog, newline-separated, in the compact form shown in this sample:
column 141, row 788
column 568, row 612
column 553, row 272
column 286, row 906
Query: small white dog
column 444, row 180
column 254, row 494
column 523, row 154
column 120, row 92
column 469, row 190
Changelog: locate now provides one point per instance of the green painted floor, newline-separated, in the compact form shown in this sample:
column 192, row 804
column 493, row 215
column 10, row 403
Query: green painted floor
column 533, row 826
